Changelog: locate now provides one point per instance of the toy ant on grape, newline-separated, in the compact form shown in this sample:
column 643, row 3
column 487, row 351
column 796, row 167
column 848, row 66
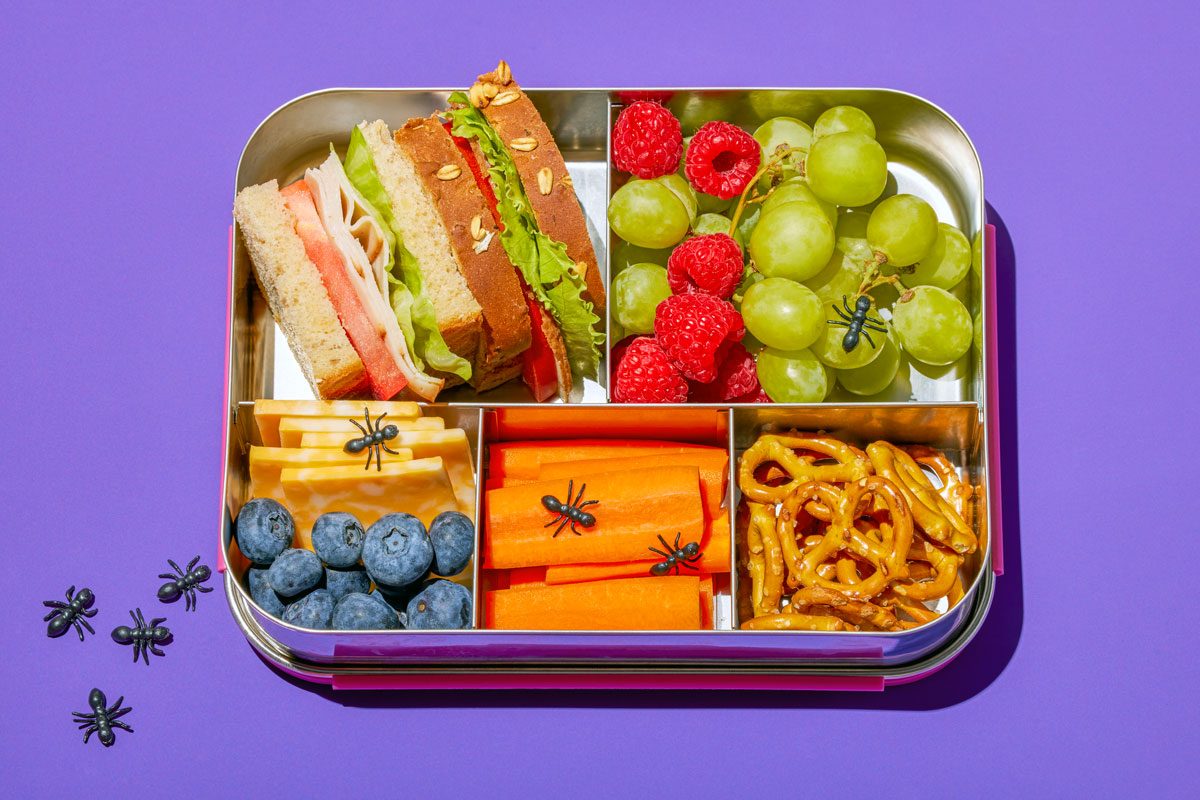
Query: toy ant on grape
column 373, row 439
column 571, row 511
column 857, row 321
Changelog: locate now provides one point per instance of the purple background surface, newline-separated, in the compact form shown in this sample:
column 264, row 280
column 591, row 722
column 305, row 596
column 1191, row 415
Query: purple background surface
column 122, row 133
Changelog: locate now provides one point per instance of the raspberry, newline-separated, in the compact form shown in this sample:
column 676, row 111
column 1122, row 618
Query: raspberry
column 695, row 331
column 736, row 378
column 710, row 263
column 756, row 396
column 722, row 159
column 645, row 375
column 647, row 140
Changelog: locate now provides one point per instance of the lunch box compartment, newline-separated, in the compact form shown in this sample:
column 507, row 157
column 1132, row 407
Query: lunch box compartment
column 955, row 429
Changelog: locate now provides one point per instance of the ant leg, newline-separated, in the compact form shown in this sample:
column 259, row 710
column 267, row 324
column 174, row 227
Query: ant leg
column 191, row 596
column 136, row 644
column 70, row 594
column 367, row 419
column 846, row 305
column 167, row 575
column 579, row 497
column 89, row 612
column 138, row 622
column 205, row 589
column 684, row 562
column 665, row 543
column 85, row 624
column 55, row 604
column 869, row 339
column 48, row 616
column 586, row 503
column 79, row 630
column 660, row 552
column 677, row 535
column 557, row 517
column 193, row 563
column 840, row 313
column 175, row 567
column 390, row 450
column 570, row 491
column 379, row 422
column 120, row 725
column 560, row 527
column 154, row 622
column 116, row 710
column 360, row 427
column 88, row 733
column 370, row 453
column 154, row 648
column 838, row 323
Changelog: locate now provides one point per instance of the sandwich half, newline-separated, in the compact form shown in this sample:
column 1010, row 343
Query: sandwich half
column 522, row 175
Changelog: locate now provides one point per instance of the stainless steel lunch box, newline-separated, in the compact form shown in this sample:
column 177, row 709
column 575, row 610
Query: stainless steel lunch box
column 954, row 410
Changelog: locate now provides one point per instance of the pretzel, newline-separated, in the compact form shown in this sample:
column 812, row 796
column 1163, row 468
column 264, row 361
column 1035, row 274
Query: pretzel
column 781, row 449
column 932, row 512
column 794, row 621
column 943, row 565
column 953, row 490
column 852, row 611
column 762, row 521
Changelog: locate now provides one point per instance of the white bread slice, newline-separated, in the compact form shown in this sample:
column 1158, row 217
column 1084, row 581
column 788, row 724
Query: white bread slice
column 296, row 294
column 458, row 313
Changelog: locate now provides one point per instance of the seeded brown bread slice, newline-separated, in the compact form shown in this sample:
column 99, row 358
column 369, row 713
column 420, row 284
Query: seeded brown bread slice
column 543, row 172
column 295, row 293
column 490, row 278
column 420, row 220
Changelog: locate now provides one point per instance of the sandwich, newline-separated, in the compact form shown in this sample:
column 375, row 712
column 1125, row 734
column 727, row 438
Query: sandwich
column 421, row 260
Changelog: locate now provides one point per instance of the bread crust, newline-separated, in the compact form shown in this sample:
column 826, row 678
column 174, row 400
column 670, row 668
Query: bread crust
column 489, row 274
column 296, row 294
column 559, row 214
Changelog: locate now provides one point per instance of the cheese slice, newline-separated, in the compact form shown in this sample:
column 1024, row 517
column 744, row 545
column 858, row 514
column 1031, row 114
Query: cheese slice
column 451, row 445
column 267, row 413
column 420, row 487
column 292, row 429
column 266, row 464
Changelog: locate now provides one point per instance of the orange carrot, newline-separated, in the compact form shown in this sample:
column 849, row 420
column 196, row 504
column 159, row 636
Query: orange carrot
column 524, row 459
column 706, row 602
column 713, row 464
column 714, row 557
column 526, row 577
column 637, row 604
column 632, row 508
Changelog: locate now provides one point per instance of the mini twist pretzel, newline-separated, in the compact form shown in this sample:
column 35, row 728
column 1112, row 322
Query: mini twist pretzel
column 781, row 450
column 931, row 511
column 770, row 592
column 852, row 611
column 793, row 519
column 945, row 571
column 953, row 490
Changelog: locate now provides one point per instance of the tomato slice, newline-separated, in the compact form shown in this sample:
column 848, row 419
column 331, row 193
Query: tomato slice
column 481, row 177
column 537, row 363
column 383, row 373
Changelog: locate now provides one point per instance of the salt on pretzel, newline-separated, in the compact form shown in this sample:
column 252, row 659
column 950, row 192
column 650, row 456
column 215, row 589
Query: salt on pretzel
column 944, row 566
column 781, row 449
column 762, row 521
column 932, row 512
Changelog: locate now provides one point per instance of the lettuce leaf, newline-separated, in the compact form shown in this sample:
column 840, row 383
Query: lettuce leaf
column 414, row 310
column 543, row 262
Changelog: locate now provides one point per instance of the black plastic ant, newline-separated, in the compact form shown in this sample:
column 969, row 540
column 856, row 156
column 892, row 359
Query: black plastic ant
column 569, row 512
column 72, row 612
column 102, row 720
column 145, row 638
column 186, row 584
column 857, row 321
column 676, row 556
column 373, row 439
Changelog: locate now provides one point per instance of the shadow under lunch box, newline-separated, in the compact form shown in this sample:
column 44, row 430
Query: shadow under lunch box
column 955, row 411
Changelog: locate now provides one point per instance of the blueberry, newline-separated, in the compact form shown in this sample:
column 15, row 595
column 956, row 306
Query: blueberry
column 295, row 571
column 341, row 582
column 453, row 538
column 363, row 612
column 262, row 593
column 397, row 551
column 314, row 610
column 440, row 605
column 337, row 538
column 264, row 530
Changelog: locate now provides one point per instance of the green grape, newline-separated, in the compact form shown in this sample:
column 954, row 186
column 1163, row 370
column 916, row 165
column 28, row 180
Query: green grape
column 977, row 331
column 749, row 278
column 683, row 190
column 830, row 380
column 977, row 257
column 794, row 241
column 874, row 377
column 751, row 344
column 829, row 347
column 748, row 222
column 946, row 264
column 933, row 325
column 693, row 109
column 795, row 190
column 851, row 233
column 847, row 169
column 783, row 314
column 903, row 229
column 716, row 223
column 615, row 332
column 840, row 277
column 624, row 254
column 791, row 376
column 884, row 295
column 767, row 103
column 843, row 118
column 636, row 292
column 648, row 214
column 785, row 132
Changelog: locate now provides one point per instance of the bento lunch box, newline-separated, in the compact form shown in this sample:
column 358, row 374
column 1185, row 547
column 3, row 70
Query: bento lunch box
column 954, row 410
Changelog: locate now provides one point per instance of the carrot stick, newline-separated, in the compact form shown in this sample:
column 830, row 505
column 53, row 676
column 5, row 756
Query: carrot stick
column 526, row 577
column 713, row 464
column 636, row 604
column 632, row 509
column 524, row 459
column 714, row 557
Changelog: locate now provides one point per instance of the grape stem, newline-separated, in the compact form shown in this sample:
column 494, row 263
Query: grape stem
column 780, row 153
column 874, row 278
